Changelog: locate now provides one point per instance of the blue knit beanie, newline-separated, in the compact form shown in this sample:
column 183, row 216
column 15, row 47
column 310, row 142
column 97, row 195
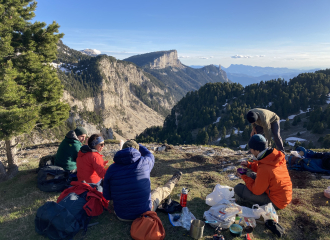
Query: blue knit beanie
column 251, row 117
column 258, row 142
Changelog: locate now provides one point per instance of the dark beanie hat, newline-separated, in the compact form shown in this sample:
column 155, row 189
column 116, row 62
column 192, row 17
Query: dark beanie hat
column 131, row 143
column 258, row 142
column 80, row 131
column 251, row 117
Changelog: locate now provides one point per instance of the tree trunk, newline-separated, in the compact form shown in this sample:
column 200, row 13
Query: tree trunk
column 11, row 151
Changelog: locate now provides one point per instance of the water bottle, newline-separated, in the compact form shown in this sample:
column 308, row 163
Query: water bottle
column 183, row 197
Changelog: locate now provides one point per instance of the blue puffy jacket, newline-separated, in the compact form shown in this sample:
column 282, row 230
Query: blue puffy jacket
column 127, row 182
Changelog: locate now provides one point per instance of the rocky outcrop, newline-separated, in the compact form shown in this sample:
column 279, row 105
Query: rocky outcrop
column 168, row 59
column 121, row 110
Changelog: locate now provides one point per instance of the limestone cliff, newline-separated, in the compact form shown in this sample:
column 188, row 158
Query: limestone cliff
column 118, row 102
column 168, row 59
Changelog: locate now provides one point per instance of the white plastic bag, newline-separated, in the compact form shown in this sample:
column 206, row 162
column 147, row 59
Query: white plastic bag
column 223, row 212
column 219, row 193
column 254, row 212
column 269, row 212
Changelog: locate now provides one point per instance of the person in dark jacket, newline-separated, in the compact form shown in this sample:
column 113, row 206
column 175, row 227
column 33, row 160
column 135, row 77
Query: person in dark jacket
column 127, row 182
column 90, row 163
column 68, row 150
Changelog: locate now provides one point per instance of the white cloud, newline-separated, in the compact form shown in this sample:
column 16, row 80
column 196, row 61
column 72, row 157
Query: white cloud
column 260, row 55
column 97, row 51
column 241, row 56
column 203, row 58
column 184, row 57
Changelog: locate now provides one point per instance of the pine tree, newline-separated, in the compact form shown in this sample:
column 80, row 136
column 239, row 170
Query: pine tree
column 30, row 90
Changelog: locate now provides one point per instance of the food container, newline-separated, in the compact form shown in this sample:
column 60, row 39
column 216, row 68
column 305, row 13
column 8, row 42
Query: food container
column 242, row 171
column 236, row 230
column 197, row 229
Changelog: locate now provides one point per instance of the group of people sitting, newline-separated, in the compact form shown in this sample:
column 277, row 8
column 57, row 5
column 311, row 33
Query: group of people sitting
column 126, row 182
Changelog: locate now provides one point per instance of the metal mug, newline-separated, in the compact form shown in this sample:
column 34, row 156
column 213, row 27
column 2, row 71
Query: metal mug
column 197, row 229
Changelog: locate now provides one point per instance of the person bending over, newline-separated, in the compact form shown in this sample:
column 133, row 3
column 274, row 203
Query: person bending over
column 68, row 150
column 90, row 164
column 267, row 122
column 271, row 183
column 127, row 182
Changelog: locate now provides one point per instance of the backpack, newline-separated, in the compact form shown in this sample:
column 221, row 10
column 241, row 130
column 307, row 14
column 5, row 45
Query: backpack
column 52, row 179
column 148, row 227
column 62, row 220
column 46, row 161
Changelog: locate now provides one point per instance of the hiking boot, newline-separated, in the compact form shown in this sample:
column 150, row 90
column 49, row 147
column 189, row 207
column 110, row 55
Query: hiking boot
column 176, row 177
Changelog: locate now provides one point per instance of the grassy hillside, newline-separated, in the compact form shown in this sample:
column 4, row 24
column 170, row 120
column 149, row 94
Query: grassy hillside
column 307, row 217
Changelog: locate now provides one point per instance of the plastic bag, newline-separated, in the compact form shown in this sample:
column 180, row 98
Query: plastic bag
column 254, row 212
column 219, row 193
column 185, row 219
column 269, row 212
column 224, row 213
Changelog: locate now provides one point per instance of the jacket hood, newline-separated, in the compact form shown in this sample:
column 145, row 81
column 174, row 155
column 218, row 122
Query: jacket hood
column 72, row 135
column 274, row 158
column 86, row 149
column 127, row 156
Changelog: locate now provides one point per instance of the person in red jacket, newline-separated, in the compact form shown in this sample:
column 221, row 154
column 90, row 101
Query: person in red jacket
column 272, row 182
column 90, row 164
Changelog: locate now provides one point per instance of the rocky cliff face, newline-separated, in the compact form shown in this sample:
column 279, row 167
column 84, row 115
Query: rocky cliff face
column 168, row 59
column 117, row 103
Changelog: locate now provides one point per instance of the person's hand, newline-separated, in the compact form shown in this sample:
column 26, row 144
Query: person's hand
column 86, row 141
column 254, row 131
column 244, row 163
column 105, row 163
column 238, row 175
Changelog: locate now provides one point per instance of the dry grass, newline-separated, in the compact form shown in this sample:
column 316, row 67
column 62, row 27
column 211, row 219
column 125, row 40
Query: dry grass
column 307, row 217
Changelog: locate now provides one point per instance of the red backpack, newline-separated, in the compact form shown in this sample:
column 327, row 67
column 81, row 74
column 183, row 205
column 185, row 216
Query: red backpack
column 148, row 227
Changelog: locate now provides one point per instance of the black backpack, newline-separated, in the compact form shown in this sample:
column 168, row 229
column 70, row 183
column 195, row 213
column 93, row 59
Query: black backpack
column 62, row 220
column 46, row 161
column 52, row 179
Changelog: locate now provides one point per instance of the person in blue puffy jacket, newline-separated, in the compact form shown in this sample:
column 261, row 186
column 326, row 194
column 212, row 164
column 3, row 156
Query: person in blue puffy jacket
column 127, row 182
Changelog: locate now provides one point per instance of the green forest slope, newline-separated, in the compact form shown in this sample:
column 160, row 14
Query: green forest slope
column 200, row 110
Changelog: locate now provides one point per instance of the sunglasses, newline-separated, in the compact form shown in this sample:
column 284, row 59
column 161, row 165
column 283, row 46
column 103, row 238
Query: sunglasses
column 101, row 144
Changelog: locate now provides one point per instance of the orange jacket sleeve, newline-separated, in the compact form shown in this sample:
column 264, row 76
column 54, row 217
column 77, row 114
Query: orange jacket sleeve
column 253, row 166
column 260, row 184
column 98, row 165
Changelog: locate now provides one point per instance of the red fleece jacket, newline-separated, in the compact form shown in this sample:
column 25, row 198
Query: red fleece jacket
column 272, row 178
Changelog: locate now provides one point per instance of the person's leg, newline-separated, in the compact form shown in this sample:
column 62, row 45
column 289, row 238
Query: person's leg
column 246, row 195
column 259, row 129
column 160, row 193
column 275, row 127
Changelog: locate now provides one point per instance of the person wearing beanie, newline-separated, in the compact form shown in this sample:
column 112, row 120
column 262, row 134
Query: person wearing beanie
column 127, row 182
column 68, row 150
column 90, row 163
column 266, row 122
column 269, row 180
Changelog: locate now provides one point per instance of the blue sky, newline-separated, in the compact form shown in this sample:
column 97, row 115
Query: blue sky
column 290, row 33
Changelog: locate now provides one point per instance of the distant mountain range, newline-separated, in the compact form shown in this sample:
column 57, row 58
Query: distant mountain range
column 245, row 74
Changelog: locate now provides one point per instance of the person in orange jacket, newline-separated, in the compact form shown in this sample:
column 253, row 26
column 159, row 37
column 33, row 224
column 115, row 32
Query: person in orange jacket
column 272, row 182
column 90, row 163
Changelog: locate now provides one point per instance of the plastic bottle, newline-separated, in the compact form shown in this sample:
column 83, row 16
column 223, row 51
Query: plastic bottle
column 183, row 197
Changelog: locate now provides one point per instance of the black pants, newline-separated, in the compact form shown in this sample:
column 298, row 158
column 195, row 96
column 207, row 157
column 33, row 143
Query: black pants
column 276, row 130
